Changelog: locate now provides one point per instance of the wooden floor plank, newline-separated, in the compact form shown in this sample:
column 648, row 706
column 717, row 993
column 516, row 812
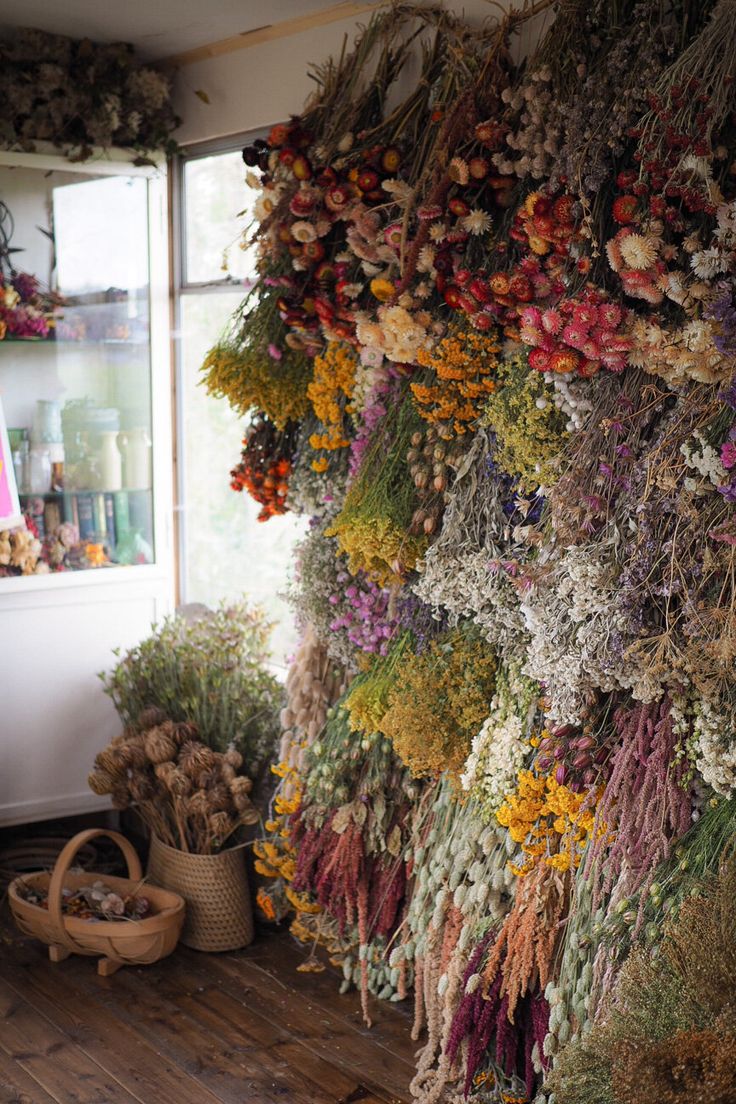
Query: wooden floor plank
column 230, row 1072
column 18, row 1087
column 391, row 1022
column 53, row 1060
column 309, row 1076
column 347, row 1048
column 117, row 1048
column 240, row 1028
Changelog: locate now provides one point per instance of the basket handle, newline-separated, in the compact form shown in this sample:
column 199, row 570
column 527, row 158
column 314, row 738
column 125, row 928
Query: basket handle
column 61, row 869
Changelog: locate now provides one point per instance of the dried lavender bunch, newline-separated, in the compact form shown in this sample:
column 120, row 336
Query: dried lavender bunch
column 611, row 96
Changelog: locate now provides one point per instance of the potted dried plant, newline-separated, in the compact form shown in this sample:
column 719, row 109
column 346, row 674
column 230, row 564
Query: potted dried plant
column 200, row 711
column 195, row 803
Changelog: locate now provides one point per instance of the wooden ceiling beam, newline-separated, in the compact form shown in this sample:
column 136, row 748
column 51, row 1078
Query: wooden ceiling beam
column 269, row 33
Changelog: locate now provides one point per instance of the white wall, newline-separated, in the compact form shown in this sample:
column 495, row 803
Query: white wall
column 260, row 85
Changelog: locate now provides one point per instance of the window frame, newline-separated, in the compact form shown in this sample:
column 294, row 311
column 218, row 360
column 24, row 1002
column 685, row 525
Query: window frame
column 180, row 287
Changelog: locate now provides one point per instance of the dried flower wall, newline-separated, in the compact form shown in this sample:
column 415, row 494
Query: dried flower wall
column 491, row 353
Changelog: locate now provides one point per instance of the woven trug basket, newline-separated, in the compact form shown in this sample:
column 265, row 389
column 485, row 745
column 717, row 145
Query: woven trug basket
column 132, row 942
column 219, row 914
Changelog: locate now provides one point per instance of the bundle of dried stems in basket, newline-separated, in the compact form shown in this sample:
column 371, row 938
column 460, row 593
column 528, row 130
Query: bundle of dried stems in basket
column 191, row 797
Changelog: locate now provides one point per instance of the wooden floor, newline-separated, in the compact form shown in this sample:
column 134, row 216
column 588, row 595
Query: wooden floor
column 194, row 1029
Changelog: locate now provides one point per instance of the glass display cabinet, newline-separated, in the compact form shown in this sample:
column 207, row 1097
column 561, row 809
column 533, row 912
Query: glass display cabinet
column 85, row 397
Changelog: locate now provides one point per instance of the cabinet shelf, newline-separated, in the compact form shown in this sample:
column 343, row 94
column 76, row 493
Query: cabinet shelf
column 85, row 343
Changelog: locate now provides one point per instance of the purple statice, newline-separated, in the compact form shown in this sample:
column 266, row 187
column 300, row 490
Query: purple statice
column 728, row 452
column 421, row 620
column 364, row 612
column 722, row 311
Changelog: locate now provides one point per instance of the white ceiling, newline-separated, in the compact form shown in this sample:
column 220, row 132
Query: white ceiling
column 157, row 28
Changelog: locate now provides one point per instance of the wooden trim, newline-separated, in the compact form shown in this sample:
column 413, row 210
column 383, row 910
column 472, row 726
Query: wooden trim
column 270, row 33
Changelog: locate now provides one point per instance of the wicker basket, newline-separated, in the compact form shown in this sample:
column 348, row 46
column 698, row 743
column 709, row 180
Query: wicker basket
column 131, row 942
column 215, row 888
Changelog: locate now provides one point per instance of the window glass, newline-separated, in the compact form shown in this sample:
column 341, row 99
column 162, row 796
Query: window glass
column 214, row 195
column 225, row 552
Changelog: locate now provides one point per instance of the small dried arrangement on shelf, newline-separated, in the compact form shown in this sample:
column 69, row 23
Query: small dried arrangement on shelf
column 190, row 797
column 91, row 902
column 80, row 94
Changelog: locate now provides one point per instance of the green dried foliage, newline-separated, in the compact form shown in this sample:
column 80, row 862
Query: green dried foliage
column 669, row 1032
column 211, row 672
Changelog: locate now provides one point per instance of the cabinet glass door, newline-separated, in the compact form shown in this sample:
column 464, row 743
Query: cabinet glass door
column 75, row 362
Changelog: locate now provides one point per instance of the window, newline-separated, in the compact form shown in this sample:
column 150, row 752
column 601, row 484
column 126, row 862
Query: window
column 224, row 552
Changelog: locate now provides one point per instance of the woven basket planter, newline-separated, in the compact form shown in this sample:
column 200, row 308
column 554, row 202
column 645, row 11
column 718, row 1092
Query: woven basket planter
column 129, row 943
column 219, row 914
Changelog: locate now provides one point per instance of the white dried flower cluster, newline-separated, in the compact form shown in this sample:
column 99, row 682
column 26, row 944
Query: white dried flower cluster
column 463, row 571
column 677, row 355
column 714, row 733
column 502, row 745
column 573, row 619
column 704, row 459
column 398, row 334
column 571, row 398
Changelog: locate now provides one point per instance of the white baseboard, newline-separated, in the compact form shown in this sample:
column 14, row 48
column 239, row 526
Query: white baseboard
column 53, row 808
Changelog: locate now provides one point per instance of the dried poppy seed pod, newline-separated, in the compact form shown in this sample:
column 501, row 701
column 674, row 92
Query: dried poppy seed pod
column 100, row 782
column 241, row 786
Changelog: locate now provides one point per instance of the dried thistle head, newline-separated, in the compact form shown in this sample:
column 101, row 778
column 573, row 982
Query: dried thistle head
column 185, row 730
column 208, row 778
column 248, row 814
column 233, row 758
column 164, row 772
column 111, row 762
column 150, row 717
column 137, row 758
column 221, row 825
column 100, row 782
column 227, row 773
column 197, row 804
column 241, row 786
column 141, row 788
column 195, row 758
column 160, row 748
column 219, row 797
column 178, row 783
